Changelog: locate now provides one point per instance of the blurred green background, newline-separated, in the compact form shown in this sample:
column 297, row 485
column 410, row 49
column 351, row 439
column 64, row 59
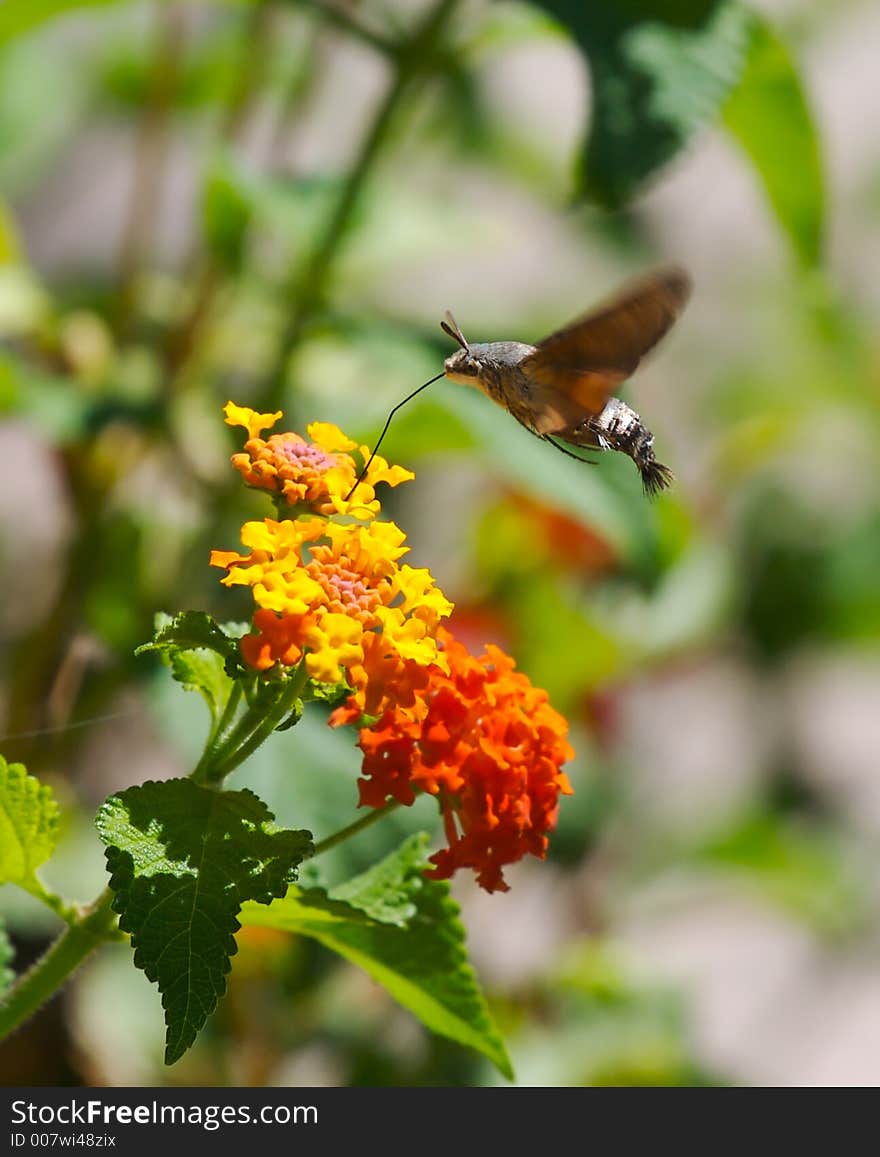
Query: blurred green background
column 274, row 202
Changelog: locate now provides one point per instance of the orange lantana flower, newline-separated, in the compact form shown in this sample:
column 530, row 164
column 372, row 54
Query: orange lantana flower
column 316, row 475
column 488, row 745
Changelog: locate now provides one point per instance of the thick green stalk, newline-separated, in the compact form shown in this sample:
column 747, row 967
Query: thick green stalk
column 92, row 928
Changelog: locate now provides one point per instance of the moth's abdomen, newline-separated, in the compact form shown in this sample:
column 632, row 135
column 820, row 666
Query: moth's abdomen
column 619, row 427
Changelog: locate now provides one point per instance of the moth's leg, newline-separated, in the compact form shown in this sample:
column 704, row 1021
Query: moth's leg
column 568, row 453
column 584, row 433
column 595, row 435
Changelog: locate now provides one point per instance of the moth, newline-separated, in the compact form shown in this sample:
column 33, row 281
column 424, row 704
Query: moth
column 563, row 387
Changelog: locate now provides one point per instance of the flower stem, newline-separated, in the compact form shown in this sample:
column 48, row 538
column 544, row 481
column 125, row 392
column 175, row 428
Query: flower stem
column 413, row 60
column 151, row 156
column 92, row 927
column 221, row 732
column 345, row 833
column 223, row 754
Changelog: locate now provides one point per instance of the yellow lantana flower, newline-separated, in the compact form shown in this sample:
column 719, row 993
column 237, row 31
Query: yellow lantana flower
column 317, row 475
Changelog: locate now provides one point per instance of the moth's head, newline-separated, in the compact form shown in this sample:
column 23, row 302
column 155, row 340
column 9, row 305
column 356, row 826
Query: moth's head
column 461, row 366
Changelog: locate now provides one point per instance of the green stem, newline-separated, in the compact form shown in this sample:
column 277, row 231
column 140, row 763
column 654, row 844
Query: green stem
column 221, row 732
column 150, row 157
column 414, row 60
column 69, row 913
column 254, row 728
column 366, row 821
column 93, row 927
column 346, row 22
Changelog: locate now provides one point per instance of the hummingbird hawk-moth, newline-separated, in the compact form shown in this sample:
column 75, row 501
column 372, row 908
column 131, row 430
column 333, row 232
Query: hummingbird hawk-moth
column 563, row 386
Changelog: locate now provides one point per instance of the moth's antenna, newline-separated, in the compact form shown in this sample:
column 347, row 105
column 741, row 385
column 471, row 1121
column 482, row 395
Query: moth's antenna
column 408, row 398
column 450, row 326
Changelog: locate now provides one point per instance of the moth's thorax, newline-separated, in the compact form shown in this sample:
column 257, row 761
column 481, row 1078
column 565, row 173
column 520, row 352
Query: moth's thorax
column 494, row 368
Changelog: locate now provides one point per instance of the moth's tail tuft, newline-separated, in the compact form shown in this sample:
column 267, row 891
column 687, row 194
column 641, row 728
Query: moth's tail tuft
column 655, row 476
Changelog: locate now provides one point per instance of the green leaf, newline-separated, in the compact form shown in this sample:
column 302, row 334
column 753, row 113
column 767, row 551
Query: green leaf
column 407, row 935
column 768, row 115
column 192, row 629
column 7, row 954
column 28, row 826
column 18, row 16
column 182, row 860
column 227, row 210
column 794, row 863
column 538, row 470
column 385, row 891
column 10, row 242
column 201, row 655
column 659, row 72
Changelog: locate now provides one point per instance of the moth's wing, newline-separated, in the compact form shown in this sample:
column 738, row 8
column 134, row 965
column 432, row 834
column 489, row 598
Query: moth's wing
column 588, row 358
column 562, row 401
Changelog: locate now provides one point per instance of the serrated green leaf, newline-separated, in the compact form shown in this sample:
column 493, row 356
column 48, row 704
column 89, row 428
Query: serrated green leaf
column 423, row 964
column 658, row 73
column 7, row 955
column 202, row 671
column 201, row 655
column 190, row 630
column 28, row 825
column 385, row 891
column 182, row 860
column 768, row 115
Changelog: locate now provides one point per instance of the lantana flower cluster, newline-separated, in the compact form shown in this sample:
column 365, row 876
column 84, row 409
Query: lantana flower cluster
column 332, row 593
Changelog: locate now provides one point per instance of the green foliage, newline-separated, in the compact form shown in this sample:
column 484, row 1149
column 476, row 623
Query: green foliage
column 536, row 468
column 183, row 859
column 793, row 863
column 659, row 72
column 768, row 114
column 201, row 655
column 809, row 582
column 227, row 211
column 601, row 1025
column 10, row 242
column 7, row 954
column 29, row 818
column 44, row 399
column 18, row 16
column 404, row 931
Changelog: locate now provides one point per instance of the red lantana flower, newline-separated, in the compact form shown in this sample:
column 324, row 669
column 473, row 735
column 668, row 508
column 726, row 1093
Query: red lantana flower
column 488, row 745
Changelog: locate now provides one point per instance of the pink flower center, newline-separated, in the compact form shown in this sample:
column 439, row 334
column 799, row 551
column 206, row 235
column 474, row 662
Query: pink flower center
column 347, row 591
column 305, row 455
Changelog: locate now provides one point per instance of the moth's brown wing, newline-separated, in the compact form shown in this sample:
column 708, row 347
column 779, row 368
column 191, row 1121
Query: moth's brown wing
column 592, row 355
column 561, row 404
